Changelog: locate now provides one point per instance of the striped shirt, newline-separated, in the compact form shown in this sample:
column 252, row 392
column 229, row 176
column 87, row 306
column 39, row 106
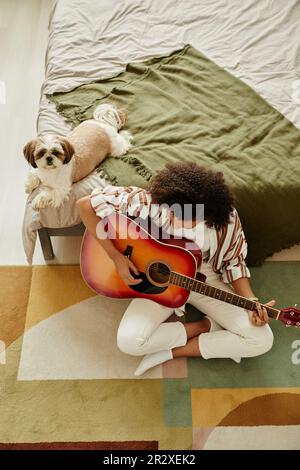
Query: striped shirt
column 227, row 247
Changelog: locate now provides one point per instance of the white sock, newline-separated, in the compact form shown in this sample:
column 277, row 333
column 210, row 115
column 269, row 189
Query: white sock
column 152, row 360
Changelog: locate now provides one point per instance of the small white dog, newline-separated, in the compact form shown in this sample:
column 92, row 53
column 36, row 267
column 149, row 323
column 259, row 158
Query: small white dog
column 58, row 162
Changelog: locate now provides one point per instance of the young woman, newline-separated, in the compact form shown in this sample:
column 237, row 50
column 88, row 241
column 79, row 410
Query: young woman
column 226, row 331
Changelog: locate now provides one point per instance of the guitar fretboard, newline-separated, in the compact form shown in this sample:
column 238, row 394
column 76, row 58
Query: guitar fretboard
column 223, row 295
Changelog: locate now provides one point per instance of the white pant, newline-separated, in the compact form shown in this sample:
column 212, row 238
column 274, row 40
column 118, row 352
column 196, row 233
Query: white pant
column 143, row 329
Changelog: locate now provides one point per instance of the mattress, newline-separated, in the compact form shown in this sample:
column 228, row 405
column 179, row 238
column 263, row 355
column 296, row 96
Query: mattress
column 258, row 42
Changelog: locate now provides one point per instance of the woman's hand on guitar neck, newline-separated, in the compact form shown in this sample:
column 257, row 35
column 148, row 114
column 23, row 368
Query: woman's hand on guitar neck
column 259, row 317
column 124, row 267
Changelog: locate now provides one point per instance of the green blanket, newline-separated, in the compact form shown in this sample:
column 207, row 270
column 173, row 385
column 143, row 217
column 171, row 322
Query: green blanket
column 185, row 107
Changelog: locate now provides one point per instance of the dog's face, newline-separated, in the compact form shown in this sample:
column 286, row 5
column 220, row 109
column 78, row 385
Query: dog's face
column 48, row 153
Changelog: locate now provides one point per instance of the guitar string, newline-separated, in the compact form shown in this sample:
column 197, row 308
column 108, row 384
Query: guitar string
column 157, row 269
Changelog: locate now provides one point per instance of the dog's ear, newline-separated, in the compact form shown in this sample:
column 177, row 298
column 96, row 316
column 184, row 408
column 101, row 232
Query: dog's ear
column 122, row 117
column 28, row 151
column 67, row 148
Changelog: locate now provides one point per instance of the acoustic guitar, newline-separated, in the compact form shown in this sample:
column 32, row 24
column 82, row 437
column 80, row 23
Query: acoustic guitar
column 168, row 270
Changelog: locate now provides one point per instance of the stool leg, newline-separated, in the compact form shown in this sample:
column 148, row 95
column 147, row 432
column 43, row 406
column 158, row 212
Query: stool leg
column 46, row 244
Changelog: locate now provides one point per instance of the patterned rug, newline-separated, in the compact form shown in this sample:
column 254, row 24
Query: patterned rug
column 64, row 384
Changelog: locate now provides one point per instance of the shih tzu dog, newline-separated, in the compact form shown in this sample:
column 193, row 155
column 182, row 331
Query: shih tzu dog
column 58, row 162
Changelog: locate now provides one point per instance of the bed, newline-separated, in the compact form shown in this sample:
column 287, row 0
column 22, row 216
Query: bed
column 258, row 42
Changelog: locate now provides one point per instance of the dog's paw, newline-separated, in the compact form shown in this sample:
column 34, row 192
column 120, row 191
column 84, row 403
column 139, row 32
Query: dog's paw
column 29, row 188
column 127, row 141
column 56, row 201
column 58, row 197
column 41, row 201
column 31, row 184
column 53, row 199
column 120, row 144
column 127, row 136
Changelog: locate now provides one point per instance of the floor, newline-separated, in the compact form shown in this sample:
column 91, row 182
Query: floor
column 23, row 30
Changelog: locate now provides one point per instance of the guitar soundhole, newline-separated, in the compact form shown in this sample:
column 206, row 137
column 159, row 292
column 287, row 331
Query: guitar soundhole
column 159, row 273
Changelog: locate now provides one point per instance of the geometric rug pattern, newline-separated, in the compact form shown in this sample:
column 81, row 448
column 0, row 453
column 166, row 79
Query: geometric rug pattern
column 64, row 383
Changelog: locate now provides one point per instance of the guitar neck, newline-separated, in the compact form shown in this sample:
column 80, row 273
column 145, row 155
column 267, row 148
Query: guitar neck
column 210, row 291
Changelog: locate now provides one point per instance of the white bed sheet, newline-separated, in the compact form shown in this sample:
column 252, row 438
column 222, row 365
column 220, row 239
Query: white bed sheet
column 257, row 41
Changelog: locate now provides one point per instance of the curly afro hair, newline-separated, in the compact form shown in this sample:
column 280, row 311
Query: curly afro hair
column 189, row 183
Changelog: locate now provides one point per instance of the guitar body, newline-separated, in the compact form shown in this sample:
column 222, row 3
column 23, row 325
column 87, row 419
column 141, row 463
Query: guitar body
column 153, row 258
column 167, row 269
